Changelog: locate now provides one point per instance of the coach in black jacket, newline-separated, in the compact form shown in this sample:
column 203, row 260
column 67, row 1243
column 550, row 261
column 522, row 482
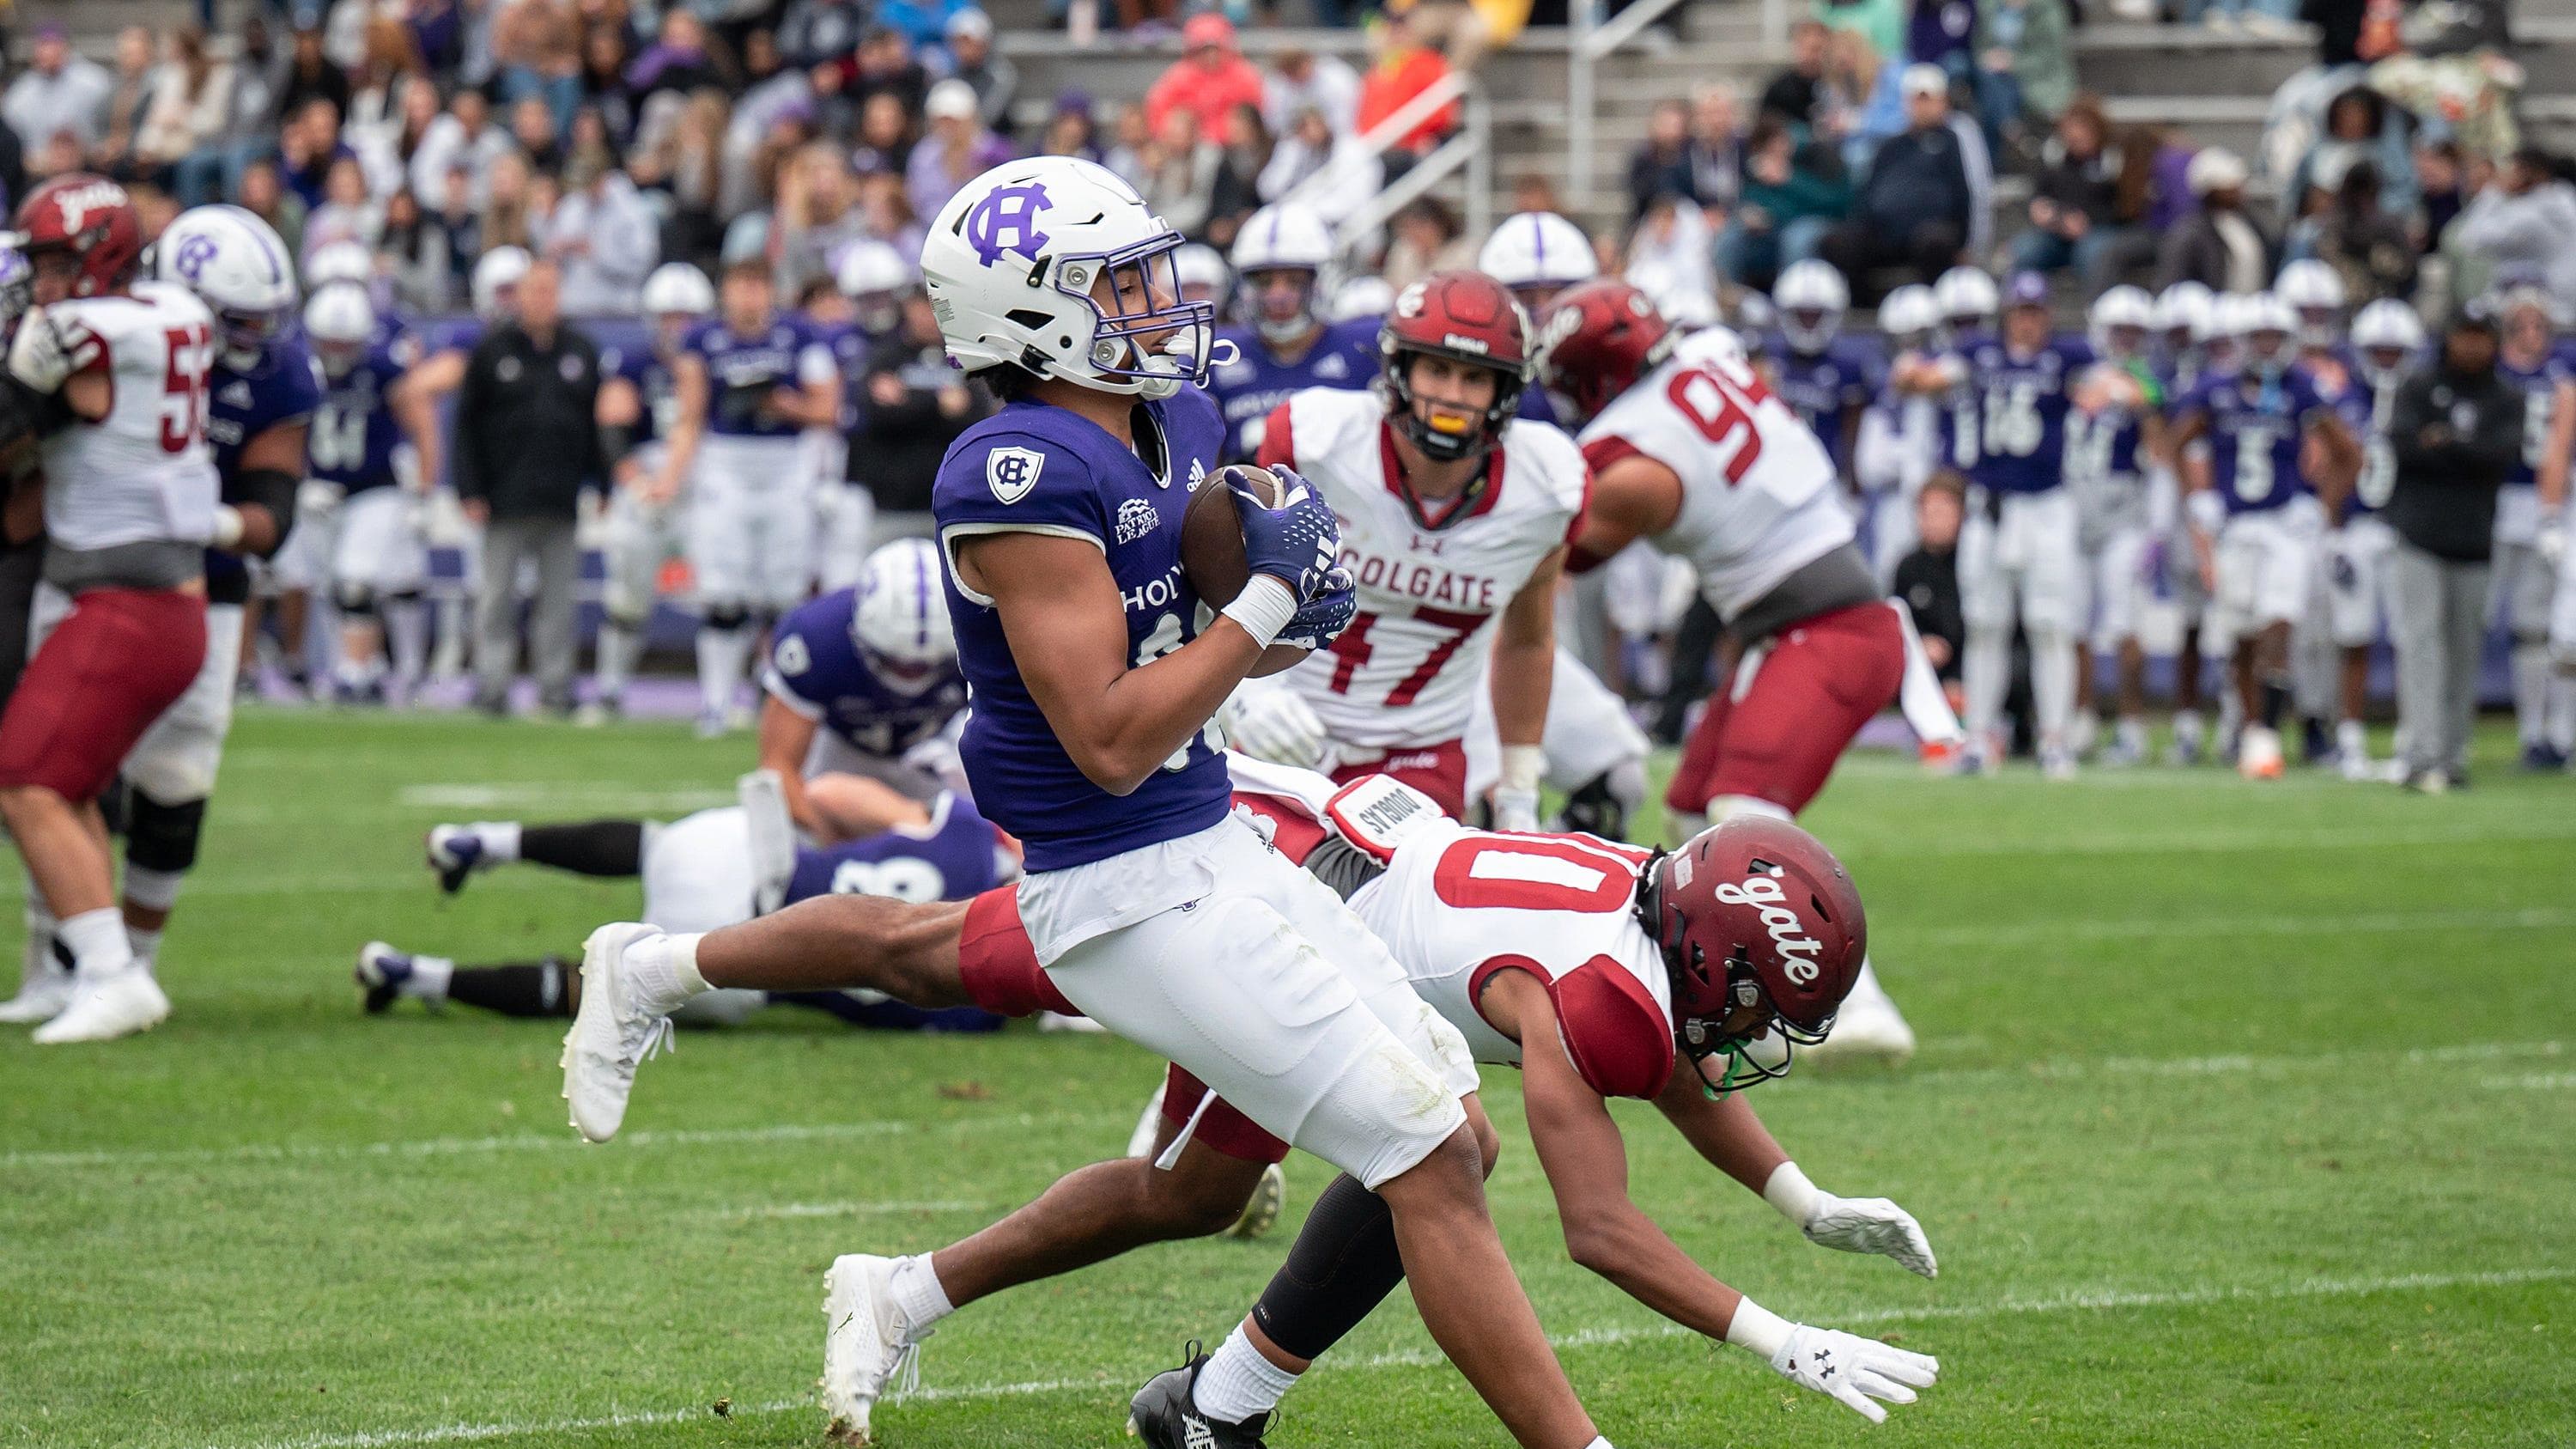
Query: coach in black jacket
column 527, row 443
column 2456, row 430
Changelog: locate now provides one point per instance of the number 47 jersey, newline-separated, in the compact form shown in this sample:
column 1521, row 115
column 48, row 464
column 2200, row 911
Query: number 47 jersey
column 1404, row 675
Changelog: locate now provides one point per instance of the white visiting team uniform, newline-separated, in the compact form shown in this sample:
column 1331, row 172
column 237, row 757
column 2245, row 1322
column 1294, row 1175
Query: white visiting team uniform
column 1759, row 499
column 1407, row 673
column 142, row 473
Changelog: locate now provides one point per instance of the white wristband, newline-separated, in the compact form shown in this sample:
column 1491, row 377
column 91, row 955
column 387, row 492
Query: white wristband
column 228, row 526
column 2207, row 513
column 1263, row 612
column 1758, row 1330
column 1522, row 765
column 1790, row 1192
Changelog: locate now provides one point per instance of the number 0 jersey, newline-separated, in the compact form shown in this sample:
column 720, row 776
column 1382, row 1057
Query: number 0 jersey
column 143, row 473
column 1758, row 489
column 1404, row 675
column 1032, row 468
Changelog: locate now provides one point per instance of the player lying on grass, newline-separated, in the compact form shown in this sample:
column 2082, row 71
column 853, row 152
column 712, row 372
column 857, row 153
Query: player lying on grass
column 1606, row 956
column 714, row 868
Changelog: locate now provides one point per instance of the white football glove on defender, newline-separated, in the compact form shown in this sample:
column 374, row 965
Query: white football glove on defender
column 1853, row 1369
column 1850, row 1224
column 1269, row 722
column 37, row 356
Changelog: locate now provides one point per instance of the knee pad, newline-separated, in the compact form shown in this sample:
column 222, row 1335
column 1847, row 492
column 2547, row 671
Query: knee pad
column 725, row 617
column 163, row 837
column 354, row 599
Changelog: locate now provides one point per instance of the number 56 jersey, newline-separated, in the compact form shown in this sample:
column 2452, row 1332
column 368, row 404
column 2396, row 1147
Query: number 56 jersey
column 1758, row 488
column 1404, row 675
column 1456, row 906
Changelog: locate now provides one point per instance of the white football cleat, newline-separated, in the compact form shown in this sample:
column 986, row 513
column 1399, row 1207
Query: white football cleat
column 1262, row 1210
column 865, row 1343
column 41, row 997
column 611, row 1035
column 118, row 1005
column 1868, row 1028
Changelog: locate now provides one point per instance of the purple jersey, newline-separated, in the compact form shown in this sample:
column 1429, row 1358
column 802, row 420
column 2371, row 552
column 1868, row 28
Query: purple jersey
column 657, row 400
column 1248, row 388
column 2007, row 425
column 1826, row 389
column 949, row 859
column 456, row 334
column 743, row 369
column 240, row 406
column 815, row 668
column 1035, row 468
column 2541, row 386
column 354, row 432
column 2255, row 428
column 2365, row 409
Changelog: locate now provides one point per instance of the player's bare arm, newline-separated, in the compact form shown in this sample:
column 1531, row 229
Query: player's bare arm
column 2338, row 460
column 2551, row 473
column 786, row 737
column 1060, row 608
column 415, row 410
column 1632, row 498
column 689, row 387
column 814, row 404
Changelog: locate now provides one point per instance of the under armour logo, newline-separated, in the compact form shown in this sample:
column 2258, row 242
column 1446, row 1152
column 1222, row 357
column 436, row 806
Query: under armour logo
column 194, row 253
column 1007, row 221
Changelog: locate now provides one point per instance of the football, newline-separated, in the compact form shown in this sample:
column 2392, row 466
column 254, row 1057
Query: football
column 1212, row 548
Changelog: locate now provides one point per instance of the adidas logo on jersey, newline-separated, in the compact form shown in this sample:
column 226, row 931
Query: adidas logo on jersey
column 1798, row 950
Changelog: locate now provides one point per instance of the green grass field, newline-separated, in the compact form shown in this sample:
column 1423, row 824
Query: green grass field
column 2243, row 1116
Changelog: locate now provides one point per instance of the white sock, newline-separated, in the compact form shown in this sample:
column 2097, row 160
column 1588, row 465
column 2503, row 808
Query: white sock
column 153, row 890
column 97, row 941
column 500, row 839
column 2561, row 723
column 146, row 945
column 407, row 638
column 429, row 978
column 2052, row 685
column 2531, row 681
column 2187, row 727
column 917, row 1294
column 39, row 962
column 1237, row 1383
column 723, row 654
column 2133, row 734
column 1985, row 672
column 620, row 645
column 2349, row 738
column 667, row 977
column 1601, row 1442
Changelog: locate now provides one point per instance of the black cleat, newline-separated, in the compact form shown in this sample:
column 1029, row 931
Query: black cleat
column 1164, row 1416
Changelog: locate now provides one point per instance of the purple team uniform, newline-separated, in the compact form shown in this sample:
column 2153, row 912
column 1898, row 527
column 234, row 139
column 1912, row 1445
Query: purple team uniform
column 240, row 406
column 2007, row 428
column 1828, row 390
column 1248, row 388
column 815, row 668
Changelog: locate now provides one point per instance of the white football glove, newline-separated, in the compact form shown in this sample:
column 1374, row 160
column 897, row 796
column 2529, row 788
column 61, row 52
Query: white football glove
column 1871, row 1225
column 37, row 356
column 1853, row 1369
column 1270, row 723
column 1515, row 809
column 316, row 497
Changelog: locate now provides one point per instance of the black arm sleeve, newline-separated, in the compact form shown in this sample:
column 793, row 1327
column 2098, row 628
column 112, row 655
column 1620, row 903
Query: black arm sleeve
column 616, row 440
column 273, row 490
column 27, row 413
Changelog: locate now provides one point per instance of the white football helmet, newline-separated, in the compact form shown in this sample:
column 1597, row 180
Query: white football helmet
column 341, row 261
column 2316, row 298
column 496, row 282
column 900, row 620
column 2186, row 315
column 1910, row 316
column 1011, row 261
column 240, row 269
column 1369, row 295
column 875, row 277
column 339, row 323
column 2387, row 335
column 2264, row 330
column 2120, row 322
column 1538, row 253
column 17, row 285
column 678, row 289
column 1204, row 275
column 1281, row 238
column 1969, row 300
column 1810, row 297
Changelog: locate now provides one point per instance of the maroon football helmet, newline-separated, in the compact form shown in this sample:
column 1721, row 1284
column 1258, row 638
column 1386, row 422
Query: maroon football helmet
column 1762, row 931
column 1597, row 340
column 81, row 227
column 1467, row 317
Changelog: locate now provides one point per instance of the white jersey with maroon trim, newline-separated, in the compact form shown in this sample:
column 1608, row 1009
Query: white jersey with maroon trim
column 143, row 473
column 1758, row 488
column 1457, row 905
column 1404, row 674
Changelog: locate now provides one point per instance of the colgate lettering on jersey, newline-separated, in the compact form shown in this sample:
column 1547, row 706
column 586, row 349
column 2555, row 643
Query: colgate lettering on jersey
column 1798, row 950
column 1416, row 578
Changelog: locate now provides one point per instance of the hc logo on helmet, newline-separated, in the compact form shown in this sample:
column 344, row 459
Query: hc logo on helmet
column 1007, row 221
column 194, row 252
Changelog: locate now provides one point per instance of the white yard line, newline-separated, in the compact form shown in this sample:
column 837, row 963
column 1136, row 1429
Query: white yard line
column 2108, row 1300
column 2194, row 927
column 758, row 1211
column 2534, row 1082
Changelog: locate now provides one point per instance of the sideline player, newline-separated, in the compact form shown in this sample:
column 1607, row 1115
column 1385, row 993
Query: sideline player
column 715, row 868
column 1282, row 344
column 376, row 557
column 1454, row 517
column 2387, row 342
column 2258, row 513
column 125, row 367
column 1091, row 740
column 639, row 405
column 750, row 380
column 1824, row 377
column 1691, row 451
column 2528, row 508
column 1900, row 432
column 2111, row 438
column 1578, row 962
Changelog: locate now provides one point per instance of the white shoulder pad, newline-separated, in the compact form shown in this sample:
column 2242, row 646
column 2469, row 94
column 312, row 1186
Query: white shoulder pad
column 1377, row 814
